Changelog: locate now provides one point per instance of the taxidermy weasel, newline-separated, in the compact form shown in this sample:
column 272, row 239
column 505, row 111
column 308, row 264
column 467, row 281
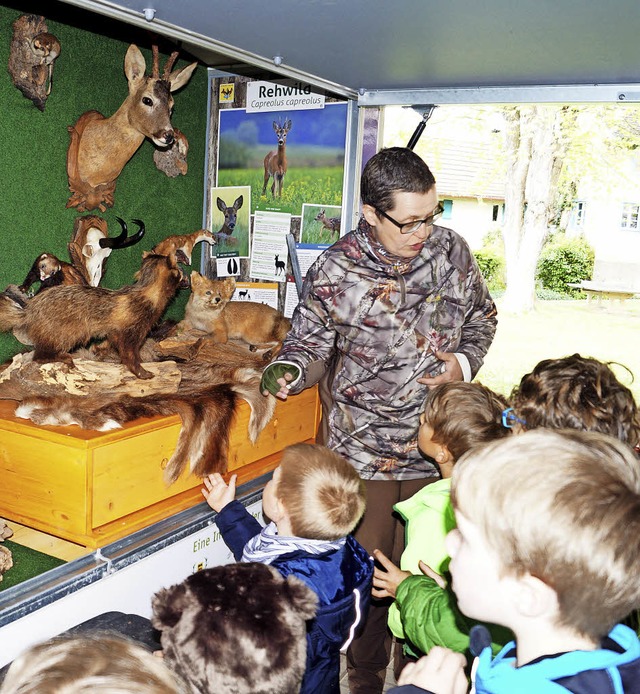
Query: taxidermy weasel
column 182, row 245
column 65, row 317
column 211, row 310
column 50, row 272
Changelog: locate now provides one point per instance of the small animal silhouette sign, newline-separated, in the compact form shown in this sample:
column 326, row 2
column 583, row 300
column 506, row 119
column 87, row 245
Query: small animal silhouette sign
column 280, row 266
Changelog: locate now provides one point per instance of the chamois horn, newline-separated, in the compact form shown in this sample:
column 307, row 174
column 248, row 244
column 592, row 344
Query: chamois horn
column 122, row 240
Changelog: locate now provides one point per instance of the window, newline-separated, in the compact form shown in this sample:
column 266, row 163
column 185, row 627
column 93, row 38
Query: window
column 497, row 213
column 629, row 219
column 578, row 212
column 448, row 208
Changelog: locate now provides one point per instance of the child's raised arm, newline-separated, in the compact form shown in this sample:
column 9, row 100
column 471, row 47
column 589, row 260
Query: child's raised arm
column 217, row 492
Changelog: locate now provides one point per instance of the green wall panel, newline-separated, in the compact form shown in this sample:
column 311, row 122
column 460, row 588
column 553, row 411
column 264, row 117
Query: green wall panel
column 89, row 74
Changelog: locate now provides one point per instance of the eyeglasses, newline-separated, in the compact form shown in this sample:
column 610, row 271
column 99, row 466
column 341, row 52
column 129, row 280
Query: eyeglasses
column 509, row 418
column 412, row 227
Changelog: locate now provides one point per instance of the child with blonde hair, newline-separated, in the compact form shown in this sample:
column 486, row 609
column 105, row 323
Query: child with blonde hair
column 314, row 501
column 547, row 544
column 97, row 662
column 457, row 416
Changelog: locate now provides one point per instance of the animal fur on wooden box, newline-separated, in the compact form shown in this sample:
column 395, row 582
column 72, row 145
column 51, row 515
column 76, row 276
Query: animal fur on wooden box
column 31, row 57
column 236, row 628
column 209, row 381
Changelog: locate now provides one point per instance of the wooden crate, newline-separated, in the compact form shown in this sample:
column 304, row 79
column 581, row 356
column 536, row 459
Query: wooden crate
column 96, row 487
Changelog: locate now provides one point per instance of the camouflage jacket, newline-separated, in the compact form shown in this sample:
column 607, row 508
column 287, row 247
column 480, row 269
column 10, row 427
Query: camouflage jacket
column 368, row 325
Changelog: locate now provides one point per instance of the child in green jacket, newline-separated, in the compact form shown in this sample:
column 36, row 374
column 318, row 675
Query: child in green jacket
column 457, row 417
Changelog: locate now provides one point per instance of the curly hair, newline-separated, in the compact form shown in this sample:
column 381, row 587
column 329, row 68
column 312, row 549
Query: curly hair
column 577, row 392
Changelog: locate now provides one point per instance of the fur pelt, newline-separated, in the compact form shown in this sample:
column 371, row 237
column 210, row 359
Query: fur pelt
column 238, row 628
column 205, row 401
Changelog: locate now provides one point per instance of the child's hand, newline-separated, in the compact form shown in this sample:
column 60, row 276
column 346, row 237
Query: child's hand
column 428, row 571
column 440, row 672
column 217, row 493
column 387, row 579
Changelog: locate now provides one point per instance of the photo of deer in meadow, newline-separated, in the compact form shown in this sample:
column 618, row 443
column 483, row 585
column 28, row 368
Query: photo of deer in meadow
column 287, row 157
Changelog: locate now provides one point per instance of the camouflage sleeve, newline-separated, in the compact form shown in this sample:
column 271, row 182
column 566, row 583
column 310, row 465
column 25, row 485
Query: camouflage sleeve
column 480, row 319
column 311, row 341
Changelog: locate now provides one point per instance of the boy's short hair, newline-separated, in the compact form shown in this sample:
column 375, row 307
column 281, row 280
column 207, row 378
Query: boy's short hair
column 577, row 392
column 463, row 415
column 100, row 662
column 563, row 506
column 391, row 170
column 321, row 491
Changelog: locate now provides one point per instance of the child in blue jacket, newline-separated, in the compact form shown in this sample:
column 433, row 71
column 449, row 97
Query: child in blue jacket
column 314, row 500
column 547, row 544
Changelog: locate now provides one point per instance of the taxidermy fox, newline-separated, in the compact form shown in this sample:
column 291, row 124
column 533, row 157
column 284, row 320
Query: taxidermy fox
column 64, row 317
column 211, row 310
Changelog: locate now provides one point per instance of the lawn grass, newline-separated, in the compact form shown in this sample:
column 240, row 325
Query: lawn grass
column 559, row 328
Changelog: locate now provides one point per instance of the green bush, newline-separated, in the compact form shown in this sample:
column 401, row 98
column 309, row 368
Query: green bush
column 492, row 266
column 565, row 260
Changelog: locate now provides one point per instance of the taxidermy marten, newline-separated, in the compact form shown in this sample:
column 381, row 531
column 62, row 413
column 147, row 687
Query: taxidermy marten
column 210, row 310
column 50, row 272
column 182, row 245
column 62, row 318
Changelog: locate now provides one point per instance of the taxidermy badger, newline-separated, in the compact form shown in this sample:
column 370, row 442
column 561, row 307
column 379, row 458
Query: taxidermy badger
column 65, row 317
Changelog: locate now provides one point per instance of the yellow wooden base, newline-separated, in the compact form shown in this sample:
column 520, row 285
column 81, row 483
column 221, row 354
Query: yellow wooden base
column 94, row 487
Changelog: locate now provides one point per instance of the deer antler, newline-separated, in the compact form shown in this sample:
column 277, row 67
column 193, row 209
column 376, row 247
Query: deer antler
column 169, row 65
column 155, row 69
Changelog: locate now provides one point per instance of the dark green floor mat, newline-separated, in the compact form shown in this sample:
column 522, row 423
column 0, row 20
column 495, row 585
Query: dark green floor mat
column 27, row 563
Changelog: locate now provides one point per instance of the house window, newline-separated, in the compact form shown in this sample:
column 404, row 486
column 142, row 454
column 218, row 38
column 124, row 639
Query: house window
column 448, row 208
column 578, row 212
column 630, row 216
column 497, row 213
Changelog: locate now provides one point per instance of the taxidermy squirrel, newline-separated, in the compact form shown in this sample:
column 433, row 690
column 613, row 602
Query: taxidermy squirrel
column 64, row 317
column 211, row 310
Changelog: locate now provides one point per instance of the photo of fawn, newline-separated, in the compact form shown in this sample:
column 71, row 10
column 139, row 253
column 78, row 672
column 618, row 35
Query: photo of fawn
column 230, row 220
column 320, row 224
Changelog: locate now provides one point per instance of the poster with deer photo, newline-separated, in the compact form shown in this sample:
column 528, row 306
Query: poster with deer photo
column 230, row 220
column 287, row 158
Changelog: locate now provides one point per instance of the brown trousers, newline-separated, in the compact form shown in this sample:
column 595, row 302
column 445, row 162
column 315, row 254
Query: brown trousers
column 380, row 528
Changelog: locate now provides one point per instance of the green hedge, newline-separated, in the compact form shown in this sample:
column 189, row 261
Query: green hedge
column 563, row 261
column 492, row 265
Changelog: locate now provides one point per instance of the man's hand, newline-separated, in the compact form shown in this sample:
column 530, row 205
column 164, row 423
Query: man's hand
column 387, row 579
column 440, row 672
column 217, row 492
column 452, row 371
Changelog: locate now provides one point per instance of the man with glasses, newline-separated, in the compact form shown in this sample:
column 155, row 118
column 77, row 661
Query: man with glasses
column 393, row 307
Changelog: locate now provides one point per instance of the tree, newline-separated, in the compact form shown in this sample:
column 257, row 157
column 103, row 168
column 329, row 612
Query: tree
column 533, row 156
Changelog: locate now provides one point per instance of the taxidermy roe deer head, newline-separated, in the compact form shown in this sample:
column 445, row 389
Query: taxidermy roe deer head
column 100, row 147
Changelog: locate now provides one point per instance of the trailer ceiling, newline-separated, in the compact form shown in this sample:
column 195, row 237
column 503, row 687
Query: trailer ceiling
column 353, row 47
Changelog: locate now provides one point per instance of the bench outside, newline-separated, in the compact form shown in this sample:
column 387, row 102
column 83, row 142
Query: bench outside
column 611, row 280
